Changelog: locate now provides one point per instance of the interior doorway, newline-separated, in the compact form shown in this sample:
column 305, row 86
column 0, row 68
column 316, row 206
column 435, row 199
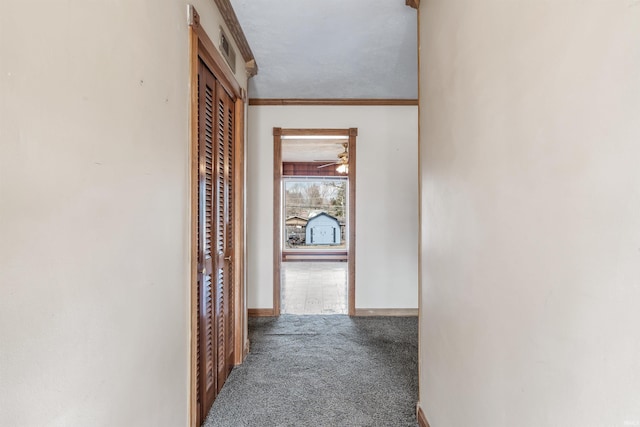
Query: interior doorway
column 314, row 221
column 315, row 215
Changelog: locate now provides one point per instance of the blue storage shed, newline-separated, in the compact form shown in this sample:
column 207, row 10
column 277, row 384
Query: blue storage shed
column 323, row 229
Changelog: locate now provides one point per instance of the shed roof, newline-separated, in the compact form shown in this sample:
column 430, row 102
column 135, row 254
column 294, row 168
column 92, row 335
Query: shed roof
column 323, row 214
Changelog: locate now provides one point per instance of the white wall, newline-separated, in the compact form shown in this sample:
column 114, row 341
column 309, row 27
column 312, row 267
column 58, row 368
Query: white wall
column 530, row 118
column 386, row 203
column 94, row 219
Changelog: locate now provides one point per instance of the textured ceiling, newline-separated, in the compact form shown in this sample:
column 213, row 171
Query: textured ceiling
column 331, row 48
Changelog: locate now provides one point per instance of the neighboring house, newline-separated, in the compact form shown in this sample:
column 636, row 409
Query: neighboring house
column 296, row 221
column 295, row 227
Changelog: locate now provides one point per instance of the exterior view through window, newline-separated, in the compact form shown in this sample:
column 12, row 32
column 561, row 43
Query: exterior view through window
column 315, row 213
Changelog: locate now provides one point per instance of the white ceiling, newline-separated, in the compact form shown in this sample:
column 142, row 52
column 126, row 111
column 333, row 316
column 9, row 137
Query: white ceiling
column 331, row 48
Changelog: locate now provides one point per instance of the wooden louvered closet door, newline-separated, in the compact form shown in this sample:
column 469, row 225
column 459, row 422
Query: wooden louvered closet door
column 224, row 234
column 215, row 238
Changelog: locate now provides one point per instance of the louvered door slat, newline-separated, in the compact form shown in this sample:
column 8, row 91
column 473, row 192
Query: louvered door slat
column 221, row 300
column 207, row 343
column 208, row 287
column 229, row 227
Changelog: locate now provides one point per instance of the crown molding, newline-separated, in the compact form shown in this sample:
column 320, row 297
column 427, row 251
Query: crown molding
column 230, row 18
column 333, row 101
column 413, row 3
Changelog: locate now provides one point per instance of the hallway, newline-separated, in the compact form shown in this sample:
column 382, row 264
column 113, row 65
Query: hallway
column 323, row 371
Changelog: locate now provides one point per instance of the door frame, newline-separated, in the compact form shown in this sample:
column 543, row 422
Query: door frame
column 278, row 133
column 202, row 48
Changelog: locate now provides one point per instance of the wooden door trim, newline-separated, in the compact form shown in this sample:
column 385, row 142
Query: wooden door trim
column 278, row 133
column 351, row 254
column 212, row 57
column 240, row 310
column 194, row 165
column 202, row 48
column 277, row 217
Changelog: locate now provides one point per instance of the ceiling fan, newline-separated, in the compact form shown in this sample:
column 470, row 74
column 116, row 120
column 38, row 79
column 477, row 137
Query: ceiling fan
column 343, row 160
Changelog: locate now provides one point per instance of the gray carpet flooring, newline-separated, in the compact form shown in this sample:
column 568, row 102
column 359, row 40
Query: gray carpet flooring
column 323, row 371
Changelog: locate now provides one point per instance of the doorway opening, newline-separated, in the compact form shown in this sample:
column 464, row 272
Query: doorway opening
column 314, row 256
column 314, row 221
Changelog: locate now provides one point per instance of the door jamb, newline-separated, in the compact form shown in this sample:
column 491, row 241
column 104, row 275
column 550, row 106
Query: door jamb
column 202, row 48
column 278, row 133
